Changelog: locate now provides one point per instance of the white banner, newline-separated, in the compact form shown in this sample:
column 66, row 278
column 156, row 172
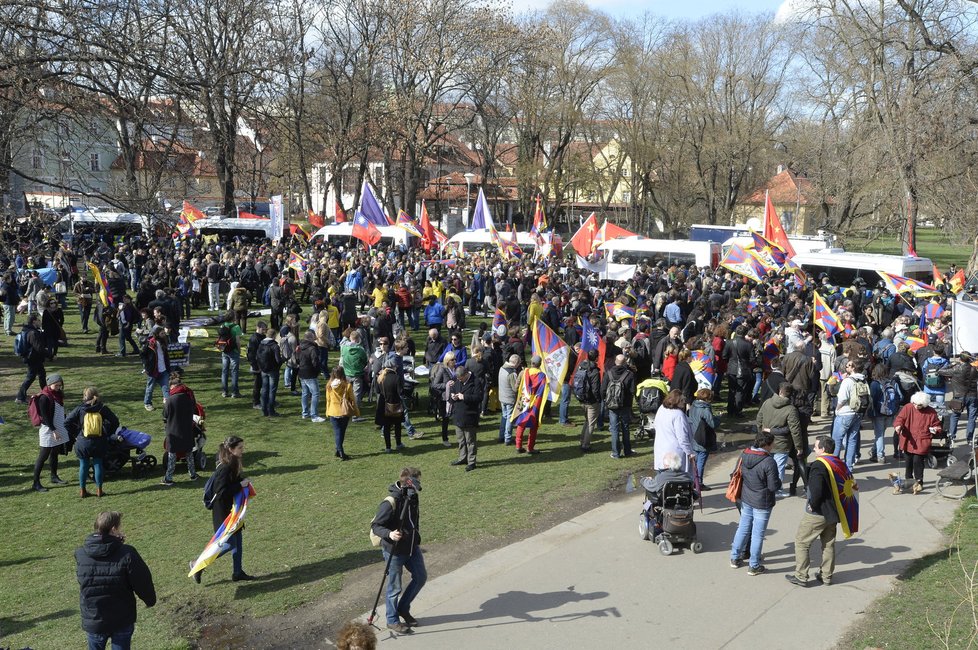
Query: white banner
column 964, row 325
column 277, row 215
column 607, row 270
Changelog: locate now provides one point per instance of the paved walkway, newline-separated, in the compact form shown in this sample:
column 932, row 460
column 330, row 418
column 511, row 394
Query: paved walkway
column 592, row 582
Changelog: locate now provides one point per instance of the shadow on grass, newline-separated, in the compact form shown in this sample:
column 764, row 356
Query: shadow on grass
column 306, row 573
column 14, row 625
column 23, row 560
column 924, row 563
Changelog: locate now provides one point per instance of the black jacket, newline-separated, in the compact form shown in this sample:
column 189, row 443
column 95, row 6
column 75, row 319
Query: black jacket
column 964, row 379
column 820, row 499
column 738, row 353
column 252, row 353
column 592, row 378
column 684, row 380
column 627, row 378
column 111, row 575
column 466, row 411
column 398, row 517
column 75, row 422
column 269, row 356
column 226, row 487
column 35, row 341
column 307, row 359
column 761, row 481
column 433, row 349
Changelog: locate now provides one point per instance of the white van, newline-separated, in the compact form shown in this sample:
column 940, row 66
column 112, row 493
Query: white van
column 473, row 241
column 636, row 250
column 843, row 267
column 342, row 233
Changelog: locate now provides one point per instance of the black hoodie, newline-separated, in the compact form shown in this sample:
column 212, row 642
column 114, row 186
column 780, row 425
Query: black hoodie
column 111, row 575
column 389, row 519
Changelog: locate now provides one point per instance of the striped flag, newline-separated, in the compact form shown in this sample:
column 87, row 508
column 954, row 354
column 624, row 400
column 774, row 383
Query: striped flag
column 743, row 263
column 776, row 254
column 900, row 284
column 554, row 352
column 825, row 318
column 103, row 288
column 219, row 544
column 299, row 263
column 530, row 396
column 702, row 364
column 499, row 320
column 407, row 224
column 188, row 215
column 844, row 493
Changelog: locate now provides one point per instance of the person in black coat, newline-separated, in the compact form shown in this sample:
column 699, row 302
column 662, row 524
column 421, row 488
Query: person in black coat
column 738, row 353
column 466, row 401
column 389, row 394
column 819, row 520
column 35, row 358
column 227, row 483
column 683, row 378
column 252, row 355
column 178, row 415
column 92, row 448
column 111, row 574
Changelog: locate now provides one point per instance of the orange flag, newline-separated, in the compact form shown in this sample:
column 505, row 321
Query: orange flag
column 340, row 213
column 773, row 230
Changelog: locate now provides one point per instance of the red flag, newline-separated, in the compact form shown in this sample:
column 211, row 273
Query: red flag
column 248, row 215
column 539, row 218
column 427, row 231
column 315, row 220
column 957, row 281
column 365, row 230
column 583, row 239
column 297, row 231
column 340, row 213
column 773, row 231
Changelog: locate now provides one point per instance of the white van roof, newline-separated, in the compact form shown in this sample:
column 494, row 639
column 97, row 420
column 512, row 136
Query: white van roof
column 639, row 243
column 836, row 257
column 483, row 236
column 346, row 230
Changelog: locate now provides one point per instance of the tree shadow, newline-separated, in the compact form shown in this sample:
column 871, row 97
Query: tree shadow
column 305, row 573
column 517, row 606
column 15, row 625
column 24, row 560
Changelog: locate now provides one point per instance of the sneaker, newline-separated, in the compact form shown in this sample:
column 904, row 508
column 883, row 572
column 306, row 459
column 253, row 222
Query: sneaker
column 224, row 395
column 167, row 483
column 236, row 396
column 56, row 480
column 533, row 451
column 780, row 494
column 615, row 456
column 318, row 420
column 445, row 443
column 401, row 446
column 736, row 564
column 520, row 450
column 469, row 468
column 399, row 628
column 238, row 577
column 755, row 570
column 21, row 401
column 410, row 620
column 257, row 407
column 198, row 575
column 456, row 463
column 148, row 407
column 820, row 580
column 417, row 435
column 793, row 579
column 37, row 487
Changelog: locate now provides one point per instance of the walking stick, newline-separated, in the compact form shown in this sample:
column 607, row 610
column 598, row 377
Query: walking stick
column 390, row 556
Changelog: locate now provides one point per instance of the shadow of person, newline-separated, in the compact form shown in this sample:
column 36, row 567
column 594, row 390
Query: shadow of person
column 521, row 606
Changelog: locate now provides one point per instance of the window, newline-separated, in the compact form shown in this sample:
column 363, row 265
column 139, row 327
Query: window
column 626, row 197
column 93, row 129
column 93, row 163
column 37, row 159
column 65, row 129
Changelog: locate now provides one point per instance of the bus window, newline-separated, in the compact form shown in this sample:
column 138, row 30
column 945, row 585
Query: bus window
column 682, row 259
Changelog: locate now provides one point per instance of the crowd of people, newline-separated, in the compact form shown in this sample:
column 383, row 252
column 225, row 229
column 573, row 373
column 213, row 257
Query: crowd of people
column 337, row 329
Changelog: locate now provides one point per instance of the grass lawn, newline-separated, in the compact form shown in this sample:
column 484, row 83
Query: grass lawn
column 940, row 247
column 306, row 527
column 935, row 604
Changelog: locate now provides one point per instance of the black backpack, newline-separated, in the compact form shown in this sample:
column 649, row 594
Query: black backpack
column 209, row 495
column 225, row 339
column 614, row 396
column 649, row 399
column 582, row 384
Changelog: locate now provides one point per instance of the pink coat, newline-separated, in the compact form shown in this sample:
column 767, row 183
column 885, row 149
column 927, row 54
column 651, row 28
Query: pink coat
column 914, row 425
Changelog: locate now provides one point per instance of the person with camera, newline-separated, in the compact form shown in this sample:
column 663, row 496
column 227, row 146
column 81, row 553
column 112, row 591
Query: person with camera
column 398, row 525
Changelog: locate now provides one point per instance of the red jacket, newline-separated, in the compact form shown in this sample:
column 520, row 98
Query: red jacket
column 914, row 426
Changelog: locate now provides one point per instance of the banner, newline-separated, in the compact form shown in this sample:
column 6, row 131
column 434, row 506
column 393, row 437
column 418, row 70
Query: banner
column 964, row 323
column 608, row 270
column 179, row 354
column 277, row 215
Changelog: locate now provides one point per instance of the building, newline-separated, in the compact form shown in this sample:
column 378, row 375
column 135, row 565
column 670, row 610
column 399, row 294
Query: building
column 794, row 197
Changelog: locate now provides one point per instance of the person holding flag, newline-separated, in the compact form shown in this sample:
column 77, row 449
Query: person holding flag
column 832, row 498
column 531, row 394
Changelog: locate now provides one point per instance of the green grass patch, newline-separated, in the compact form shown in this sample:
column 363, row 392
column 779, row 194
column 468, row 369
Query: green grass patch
column 306, row 527
column 934, row 603
column 941, row 247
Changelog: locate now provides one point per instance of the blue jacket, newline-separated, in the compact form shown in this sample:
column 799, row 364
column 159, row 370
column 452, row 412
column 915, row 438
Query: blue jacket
column 434, row 314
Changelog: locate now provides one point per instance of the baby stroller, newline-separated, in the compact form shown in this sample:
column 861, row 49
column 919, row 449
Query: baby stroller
column 119, row 451
column 410, row 384
column 197, row 455
column 954, row 481
column 650, row 394
column 667, row 516
column 940, row 446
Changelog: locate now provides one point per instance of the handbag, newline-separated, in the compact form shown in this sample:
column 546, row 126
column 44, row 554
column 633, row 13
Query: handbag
column 736, row 483
column 393, row 410
column 347, row 405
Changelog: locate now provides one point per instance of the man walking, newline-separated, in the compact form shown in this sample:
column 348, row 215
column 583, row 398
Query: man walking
column 397, row 524
column 618, row 389
column 821, row 515
column 466, row 409
column 269, row 363
column 507, row 397
column 738, row 353
column 252, row 355
column 156, row 365
column 111, row 574
column 853, row 400
column 33, row 356
column 229, row 343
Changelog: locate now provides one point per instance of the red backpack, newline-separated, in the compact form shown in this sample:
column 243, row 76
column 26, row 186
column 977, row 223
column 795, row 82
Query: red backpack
column 33, row 411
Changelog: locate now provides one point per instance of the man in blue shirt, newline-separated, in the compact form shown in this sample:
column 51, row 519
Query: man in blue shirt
column 434, row 313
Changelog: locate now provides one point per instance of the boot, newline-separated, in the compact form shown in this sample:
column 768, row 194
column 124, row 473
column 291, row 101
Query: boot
column 84, row 493
column 99, row 493
column 56, row 480
column 918, row 487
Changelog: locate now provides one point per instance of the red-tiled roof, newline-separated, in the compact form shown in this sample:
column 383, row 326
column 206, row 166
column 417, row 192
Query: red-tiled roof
column 785, row 187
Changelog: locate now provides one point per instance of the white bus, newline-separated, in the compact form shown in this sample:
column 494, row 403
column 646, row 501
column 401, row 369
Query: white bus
column 636, row 250
column 473, row 241
column 342, row 233
column 255, row 228
column 843, row 267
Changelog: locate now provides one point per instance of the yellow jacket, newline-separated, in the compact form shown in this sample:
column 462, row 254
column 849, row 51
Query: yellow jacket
column 336, row 389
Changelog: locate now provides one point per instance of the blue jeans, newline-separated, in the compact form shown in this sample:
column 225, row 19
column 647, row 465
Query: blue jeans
column 236, row 548
column 230, row 362
column 413, row 317
column 339, row 432
column 755, row 521
column 8, row 318
column 845, row 432
column 880, row 422
column 565, row 395
column 163, row 381
column 701, row 457
column 121, row 639
column 269, row 386
column 969, row 404
column 758, row 380
column 781, row 460
column 505, row 424
column 310, row 397
column 401, row 601
column 619, row 421
column 83, row 465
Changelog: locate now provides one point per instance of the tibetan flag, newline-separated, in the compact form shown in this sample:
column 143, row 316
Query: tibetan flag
column 915, row 343
column 741, row 262
column 298, row 232
column 219, row 544
column 844, row 493
column 339, row 214
column 407, row 224
column 539, row 218
column 801, row 278
column 499, row 320
column 763, row 263
column 365, row 230
column 773, row 230
column 772, row 350
column 188, row 215
column 933, row 311
column 957, row 281
column 554, row 352
column 370, row 207
column 825, row 318
column 702, row 364
column 583, row 239
column 103, row 288
column 298, row 262
column 772, row 250
column 530, row 396
column 624, row 313
column 315, row 220
column 900, row 284
column 838, row 376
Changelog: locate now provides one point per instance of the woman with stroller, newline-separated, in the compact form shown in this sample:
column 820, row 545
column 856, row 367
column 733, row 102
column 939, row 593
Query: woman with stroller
column 90, row 424
column 228, row 481
column 341, row 404
column 916, row 424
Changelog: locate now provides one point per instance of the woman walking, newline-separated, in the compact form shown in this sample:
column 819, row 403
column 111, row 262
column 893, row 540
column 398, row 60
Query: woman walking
column 52, row 433
column 390, row 409
column 442, row 374
column 916, row 424
column 91, row 423
column 341, row 404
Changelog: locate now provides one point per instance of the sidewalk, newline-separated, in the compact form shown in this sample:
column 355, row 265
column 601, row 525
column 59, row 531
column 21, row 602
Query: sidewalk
column 592, row 582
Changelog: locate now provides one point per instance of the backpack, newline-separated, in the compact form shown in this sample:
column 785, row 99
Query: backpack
column 266, row 358
column 209, row 494
column 581, row 385
column 649, row 399
column 931, row 378
column 21, row 346
column 859, row 399
column 225, row 339
column 33, row 411
column 92, row 425
column 376, row 539
column 891, row 397
column 614, row 397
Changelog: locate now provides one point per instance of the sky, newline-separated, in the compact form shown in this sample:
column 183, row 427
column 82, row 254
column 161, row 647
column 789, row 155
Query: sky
column 675, row 9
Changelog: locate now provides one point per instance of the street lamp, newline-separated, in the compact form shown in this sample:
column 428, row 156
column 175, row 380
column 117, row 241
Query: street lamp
column 448, row 210
column 469, row 176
